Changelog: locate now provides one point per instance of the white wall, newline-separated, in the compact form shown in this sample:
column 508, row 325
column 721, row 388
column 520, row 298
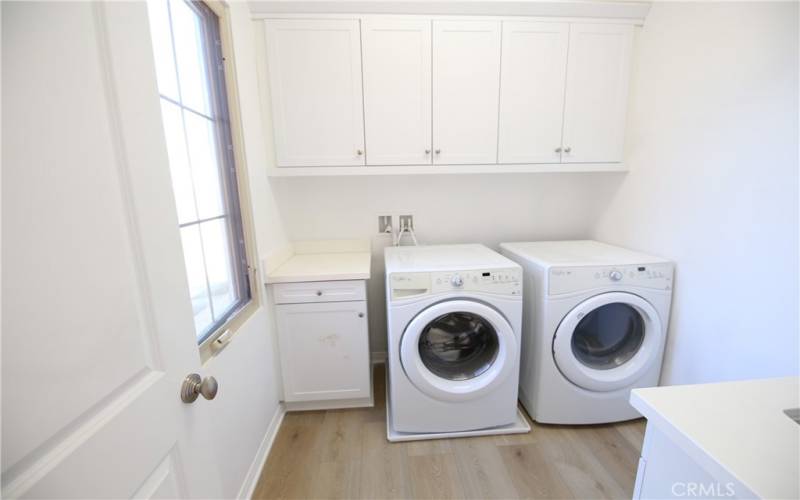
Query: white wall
column 712, row 145
column 485, row 209
column 247, row 370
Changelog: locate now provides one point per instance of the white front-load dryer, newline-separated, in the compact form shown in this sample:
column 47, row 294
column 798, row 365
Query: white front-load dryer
column 454, row 315
column 594, row 327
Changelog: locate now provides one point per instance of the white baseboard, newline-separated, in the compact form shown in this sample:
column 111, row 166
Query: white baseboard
column 378, row 357
column 251, row 479
column 333, row 404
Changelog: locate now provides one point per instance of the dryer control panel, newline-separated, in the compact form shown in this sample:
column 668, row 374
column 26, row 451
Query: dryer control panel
column 495, row 281
column 574, row 279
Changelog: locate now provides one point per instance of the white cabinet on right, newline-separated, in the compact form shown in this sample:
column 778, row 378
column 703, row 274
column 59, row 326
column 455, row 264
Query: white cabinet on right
column 598, row 70
column 564, row 89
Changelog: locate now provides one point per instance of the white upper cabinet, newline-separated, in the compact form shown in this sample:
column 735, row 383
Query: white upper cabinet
column 466, row 86
column 315, row 85
column 598, row 67
column 397, row 91
column 458, row 94
column 534, row 66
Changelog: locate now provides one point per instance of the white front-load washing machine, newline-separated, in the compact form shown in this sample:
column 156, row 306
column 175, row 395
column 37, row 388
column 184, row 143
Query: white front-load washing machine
column 454, row 314
column 594, row 327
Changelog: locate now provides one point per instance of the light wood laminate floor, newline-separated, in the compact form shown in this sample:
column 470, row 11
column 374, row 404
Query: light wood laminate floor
column 345, row 454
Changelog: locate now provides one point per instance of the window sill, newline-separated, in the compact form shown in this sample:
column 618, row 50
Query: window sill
column 224, row 335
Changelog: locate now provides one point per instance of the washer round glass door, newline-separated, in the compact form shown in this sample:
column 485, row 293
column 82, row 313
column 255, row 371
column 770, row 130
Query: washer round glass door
column 458, row 350
column 608, row 341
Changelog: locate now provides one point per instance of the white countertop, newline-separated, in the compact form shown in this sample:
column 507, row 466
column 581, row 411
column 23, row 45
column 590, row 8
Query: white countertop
column 322, row 267
column 735, row 430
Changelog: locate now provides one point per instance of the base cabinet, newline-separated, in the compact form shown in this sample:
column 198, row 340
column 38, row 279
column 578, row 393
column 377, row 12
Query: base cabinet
column 667, row 471
column 324, row 352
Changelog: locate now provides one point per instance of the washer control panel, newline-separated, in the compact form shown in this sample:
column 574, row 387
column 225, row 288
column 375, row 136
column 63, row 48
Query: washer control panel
column 496, row 281
column 573, row 279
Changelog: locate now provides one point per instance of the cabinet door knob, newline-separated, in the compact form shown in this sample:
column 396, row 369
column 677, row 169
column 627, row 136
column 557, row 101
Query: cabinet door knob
column 438, row 151
column 427, row 151
column 319, row 293
column 567, row 149
column 359, row 152
column 558, row 150
column 360, row 315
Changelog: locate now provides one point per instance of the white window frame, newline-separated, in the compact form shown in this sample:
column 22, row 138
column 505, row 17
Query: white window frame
column 222, row 86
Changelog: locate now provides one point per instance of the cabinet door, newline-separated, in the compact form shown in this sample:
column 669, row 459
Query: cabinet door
column 397, row 91
column 315, row 84
column 324, row 350
column 466, row 86
column 534, row 65
column 598, row 70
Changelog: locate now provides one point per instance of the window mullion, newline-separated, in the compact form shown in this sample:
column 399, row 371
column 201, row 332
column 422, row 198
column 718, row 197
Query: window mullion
column 200, row 221
column 187, row 108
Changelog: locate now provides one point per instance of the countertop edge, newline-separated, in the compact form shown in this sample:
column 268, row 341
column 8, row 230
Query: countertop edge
column 274, row 280
column 330, row 266
column 689, row 446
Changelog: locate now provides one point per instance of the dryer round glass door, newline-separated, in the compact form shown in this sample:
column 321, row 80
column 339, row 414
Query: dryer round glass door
column 609, row 336
column 458, row 350
column 608, row 341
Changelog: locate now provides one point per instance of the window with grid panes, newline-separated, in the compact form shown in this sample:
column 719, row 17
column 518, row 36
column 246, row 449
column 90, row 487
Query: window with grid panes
column 191, row 84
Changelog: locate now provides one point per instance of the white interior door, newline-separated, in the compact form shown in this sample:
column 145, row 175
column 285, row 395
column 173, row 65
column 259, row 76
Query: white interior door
column 96, row 319
column 397, row 91
column 315, row 84
column 598, row 70
column 466, row 84
column 534, row 66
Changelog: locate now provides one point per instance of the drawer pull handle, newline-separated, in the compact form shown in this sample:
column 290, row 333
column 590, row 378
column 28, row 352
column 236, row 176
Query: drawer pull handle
column 360, row 315
column 319, row 293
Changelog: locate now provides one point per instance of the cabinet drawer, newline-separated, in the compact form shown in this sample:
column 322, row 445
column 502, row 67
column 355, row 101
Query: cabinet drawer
column 319, row 291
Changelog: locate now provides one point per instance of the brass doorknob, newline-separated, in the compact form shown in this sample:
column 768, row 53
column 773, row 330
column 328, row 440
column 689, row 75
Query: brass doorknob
column 193, row 386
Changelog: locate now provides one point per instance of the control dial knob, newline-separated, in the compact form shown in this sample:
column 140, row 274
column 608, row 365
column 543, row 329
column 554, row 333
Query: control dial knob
column 615, row 275
column 457, row 281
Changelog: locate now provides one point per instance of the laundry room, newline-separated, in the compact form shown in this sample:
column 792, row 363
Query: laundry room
column 394, row 249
